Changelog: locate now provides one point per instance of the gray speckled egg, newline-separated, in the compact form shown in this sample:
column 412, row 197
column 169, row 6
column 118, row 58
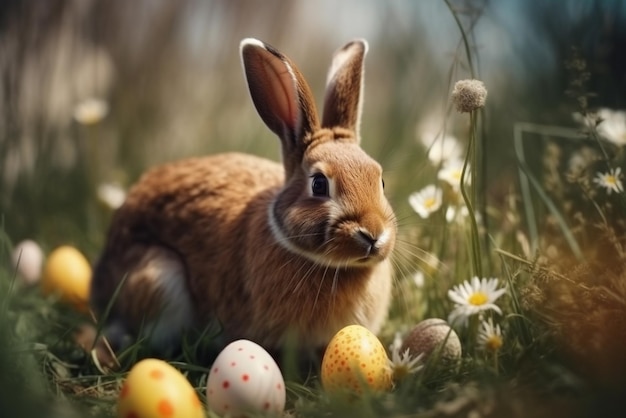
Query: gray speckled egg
column 427, row 336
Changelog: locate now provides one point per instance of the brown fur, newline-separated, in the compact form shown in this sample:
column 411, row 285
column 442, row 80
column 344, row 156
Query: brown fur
column 213, row 217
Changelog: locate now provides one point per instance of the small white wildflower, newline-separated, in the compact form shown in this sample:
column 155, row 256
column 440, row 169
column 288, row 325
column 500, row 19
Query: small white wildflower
column 451, row 173
column 426, row 201
column 610, row 181
column 111, row 195
column 442, row 149
column 489, row 336
column 418, row 279
column 452, row 214
column 609, row 123
column 613, row 125
column 469, row 95
column 403, row 364
column 472, row 297
column 460, row 213
column 91, row 111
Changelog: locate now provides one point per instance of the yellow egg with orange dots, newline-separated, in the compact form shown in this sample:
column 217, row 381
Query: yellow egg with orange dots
column 67, row 274
column 355, row 361
column 155, row 389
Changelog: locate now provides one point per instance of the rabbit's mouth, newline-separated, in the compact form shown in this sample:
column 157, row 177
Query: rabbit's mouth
column 369, row 259
column 373, row 256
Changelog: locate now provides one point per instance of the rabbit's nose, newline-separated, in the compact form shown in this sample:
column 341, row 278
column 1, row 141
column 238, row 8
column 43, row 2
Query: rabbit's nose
column 367, row 240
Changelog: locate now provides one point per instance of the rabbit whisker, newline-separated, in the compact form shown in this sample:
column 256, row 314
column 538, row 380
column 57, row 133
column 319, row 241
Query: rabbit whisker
column 319, row 288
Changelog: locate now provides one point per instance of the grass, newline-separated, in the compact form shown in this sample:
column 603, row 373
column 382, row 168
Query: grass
column 557, row 243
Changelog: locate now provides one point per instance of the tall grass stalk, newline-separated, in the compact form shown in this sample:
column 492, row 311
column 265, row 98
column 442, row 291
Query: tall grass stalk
column 527, row 179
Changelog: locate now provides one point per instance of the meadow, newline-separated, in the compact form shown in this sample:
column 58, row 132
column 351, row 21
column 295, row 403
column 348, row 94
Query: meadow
column 502, row 132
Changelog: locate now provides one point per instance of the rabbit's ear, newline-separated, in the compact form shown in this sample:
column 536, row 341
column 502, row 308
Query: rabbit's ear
column 344, row 87
column 280, row 94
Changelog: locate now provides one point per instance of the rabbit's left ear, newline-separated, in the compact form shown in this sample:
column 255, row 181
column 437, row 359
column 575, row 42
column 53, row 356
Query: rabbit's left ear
column 344, row 88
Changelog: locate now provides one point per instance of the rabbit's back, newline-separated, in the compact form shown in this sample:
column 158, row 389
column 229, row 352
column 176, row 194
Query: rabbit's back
column 194, row 208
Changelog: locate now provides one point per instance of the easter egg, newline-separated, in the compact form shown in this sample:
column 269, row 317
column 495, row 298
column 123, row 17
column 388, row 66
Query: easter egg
column 245, row 379
column 27, row 258
column 355, row 360
column 155, row 389
column 433, row 337
column 67, row 273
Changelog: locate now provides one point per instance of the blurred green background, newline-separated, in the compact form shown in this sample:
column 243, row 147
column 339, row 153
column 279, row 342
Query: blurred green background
column 170, row 73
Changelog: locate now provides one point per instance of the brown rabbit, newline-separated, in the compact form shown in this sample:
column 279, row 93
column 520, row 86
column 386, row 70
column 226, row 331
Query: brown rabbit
column 269, row 250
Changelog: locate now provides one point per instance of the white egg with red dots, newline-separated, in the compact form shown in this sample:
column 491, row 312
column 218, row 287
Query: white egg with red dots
column 245, row 379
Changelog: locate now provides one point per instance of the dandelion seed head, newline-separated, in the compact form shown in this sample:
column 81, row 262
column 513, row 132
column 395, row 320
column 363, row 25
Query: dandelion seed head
column 469, row 95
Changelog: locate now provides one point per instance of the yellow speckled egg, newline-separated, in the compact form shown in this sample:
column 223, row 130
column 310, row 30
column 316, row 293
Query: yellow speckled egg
column 68, row 274
column 155, row 389
column 355, row 360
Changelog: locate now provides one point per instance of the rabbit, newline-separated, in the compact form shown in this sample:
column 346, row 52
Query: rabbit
column 272, row 251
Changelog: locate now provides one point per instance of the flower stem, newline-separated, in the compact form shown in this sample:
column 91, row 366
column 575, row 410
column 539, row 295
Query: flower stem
column 470, row 198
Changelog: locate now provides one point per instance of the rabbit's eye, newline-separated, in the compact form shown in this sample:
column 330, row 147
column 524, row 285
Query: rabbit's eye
column 319, row 185
column 383, row 181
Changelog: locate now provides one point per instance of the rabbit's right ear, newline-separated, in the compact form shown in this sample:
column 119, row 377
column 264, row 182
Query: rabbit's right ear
column 280, row 94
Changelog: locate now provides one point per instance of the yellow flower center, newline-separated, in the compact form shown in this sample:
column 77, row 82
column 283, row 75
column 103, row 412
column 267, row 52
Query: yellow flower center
column 400, row 371
column 430, row 203
column 477, row 299
column 493, row 343
column 610, row 180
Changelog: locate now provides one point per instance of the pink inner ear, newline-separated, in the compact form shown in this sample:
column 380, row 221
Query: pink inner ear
column 282, row 90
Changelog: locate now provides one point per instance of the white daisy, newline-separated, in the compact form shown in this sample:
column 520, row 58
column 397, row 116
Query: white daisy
column 402, row 365
column 474, row 297
column 610, row 124
column 451, row 173
column 91, row 111
column 441, row 148
column 610, row 181
column 613, row 125
column 454, row 213
column 426, row 201
column 489, row 336
column 445, row 149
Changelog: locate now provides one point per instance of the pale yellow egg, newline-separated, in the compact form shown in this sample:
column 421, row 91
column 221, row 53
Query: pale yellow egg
column 67, row 273
column 155, row 389
column 355, row 361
